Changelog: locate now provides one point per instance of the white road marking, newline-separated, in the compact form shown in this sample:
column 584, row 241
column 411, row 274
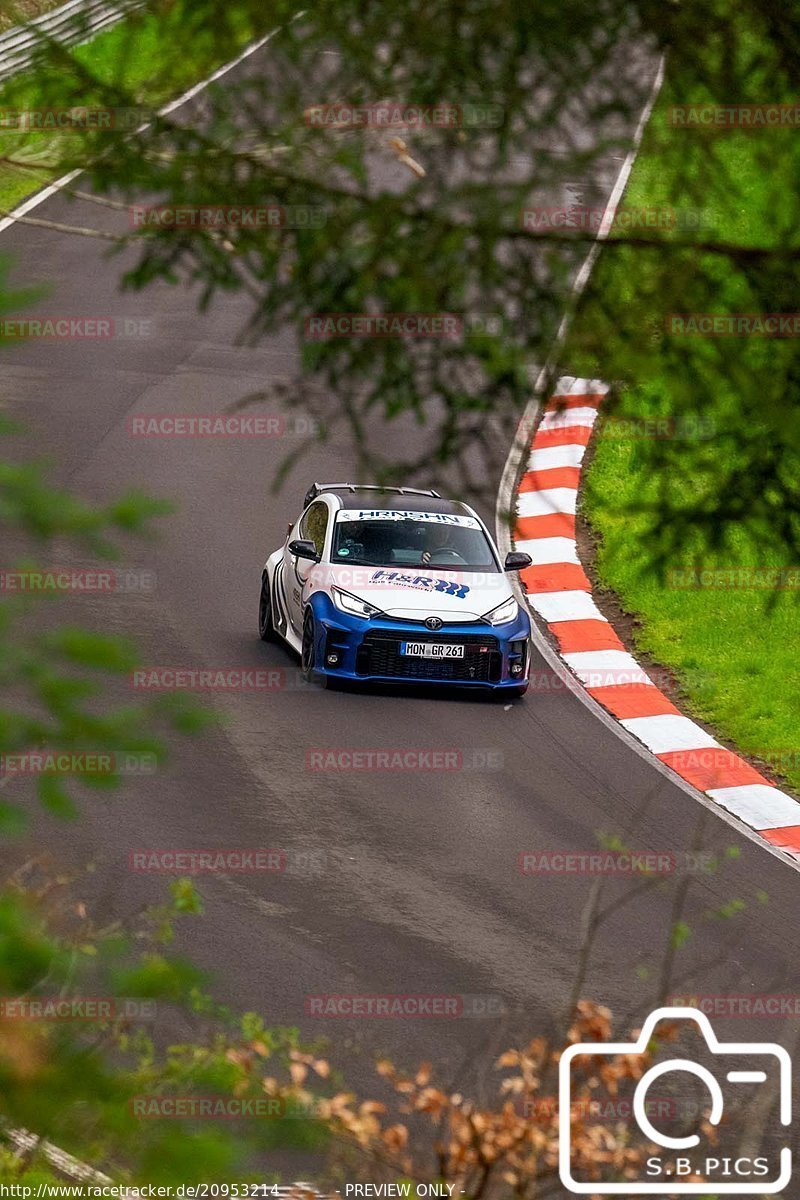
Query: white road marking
column 567, row 417
column 556, row 456
column 565, row 606
column 547, row 502
column 669, row 732
column 570, row 384
column 758, row 804
column 549, row 550
column 605, row 668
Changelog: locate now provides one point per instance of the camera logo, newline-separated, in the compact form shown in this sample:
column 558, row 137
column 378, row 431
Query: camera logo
column 764, row 1175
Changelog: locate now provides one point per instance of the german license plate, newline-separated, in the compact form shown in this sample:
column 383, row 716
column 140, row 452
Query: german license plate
column 431, row 650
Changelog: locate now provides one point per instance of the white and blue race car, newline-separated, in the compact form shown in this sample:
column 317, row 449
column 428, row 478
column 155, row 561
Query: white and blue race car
column 395, row 585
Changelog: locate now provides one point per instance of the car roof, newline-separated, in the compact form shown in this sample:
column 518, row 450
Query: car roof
column 398, row 502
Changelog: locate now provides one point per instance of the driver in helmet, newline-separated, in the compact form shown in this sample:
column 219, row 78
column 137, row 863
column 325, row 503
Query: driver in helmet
column 438, row 542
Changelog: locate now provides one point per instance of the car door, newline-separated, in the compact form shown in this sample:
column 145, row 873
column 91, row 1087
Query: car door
column 312, row 527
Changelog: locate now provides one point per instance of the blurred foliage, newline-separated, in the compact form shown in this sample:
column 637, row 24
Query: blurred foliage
column 728, row 485
column 98, row 1085
column 429, row 220
column 53, row 674
column 422, row 221
column 74, row 1081
column 80, row 1082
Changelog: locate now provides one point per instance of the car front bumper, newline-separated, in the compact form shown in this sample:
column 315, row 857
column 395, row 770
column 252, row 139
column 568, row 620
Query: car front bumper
column 495, row 656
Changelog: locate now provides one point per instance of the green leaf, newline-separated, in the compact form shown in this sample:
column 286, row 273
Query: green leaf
column 681, row 932
column 53, row 794
column 185, row 897
column 134, row 511
column 100, row 651
column 13, row 820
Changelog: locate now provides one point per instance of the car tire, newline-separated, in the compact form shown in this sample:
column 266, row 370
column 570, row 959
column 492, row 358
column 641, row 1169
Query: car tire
column 308, row 653
column 517, row 692
column 266, row 628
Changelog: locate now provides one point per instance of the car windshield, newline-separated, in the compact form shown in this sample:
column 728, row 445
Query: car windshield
column 438, row 540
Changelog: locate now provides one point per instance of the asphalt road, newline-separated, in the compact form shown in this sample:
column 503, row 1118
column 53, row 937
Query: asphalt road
column 416, row 888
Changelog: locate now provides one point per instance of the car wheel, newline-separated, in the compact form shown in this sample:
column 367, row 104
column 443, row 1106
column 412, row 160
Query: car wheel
column 266, row 629
column 308, row 653
column 516, row 691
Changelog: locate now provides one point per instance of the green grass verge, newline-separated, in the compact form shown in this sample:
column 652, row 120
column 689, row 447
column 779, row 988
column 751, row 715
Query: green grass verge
column 152, row 56
column 731, row 649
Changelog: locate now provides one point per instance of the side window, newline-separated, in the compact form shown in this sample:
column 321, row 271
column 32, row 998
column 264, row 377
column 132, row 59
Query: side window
column 314, row 524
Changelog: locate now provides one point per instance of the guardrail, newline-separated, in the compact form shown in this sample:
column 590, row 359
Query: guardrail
column 72, row 23
column 65, row 1166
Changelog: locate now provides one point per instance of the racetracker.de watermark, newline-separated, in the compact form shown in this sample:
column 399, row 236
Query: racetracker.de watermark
column 76, row 581
column 734, row 116
column 454, row 327
column 97, row 120
column 615, row 862
column 76, row 1008
column 403, row 1006
column 204, row 862
column 219, row 1107
column 227, row 216
column 548, row 681
column 99, row 763
column 605, row 1109
column 321, row 327
column 388, row 115
column 74, row 329
column 624, row 219
column 457, row 583
column 300, row 862
column 717, row 760
column 403, row 758
column 731, row 579
column 220, row 425
column 208, row 679
column 770, row 325
column 687, row 428
column 751, row 1004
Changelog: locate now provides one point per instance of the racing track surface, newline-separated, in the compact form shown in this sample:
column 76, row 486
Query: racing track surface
column 419, row 890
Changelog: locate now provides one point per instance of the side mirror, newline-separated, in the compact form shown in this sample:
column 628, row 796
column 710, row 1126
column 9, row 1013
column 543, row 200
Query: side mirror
column 517, row 561
column 303, row 549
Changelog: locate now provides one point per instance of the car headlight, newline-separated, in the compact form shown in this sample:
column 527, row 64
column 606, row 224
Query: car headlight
column 505, row 612
column 352, row 604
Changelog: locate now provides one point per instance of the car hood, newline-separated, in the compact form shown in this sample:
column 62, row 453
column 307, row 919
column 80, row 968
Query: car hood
column 412, row 594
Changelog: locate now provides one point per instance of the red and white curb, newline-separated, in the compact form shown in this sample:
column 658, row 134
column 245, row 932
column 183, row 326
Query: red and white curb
column 561, row 594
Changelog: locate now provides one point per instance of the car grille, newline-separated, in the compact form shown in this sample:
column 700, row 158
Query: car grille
column 379, row 654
